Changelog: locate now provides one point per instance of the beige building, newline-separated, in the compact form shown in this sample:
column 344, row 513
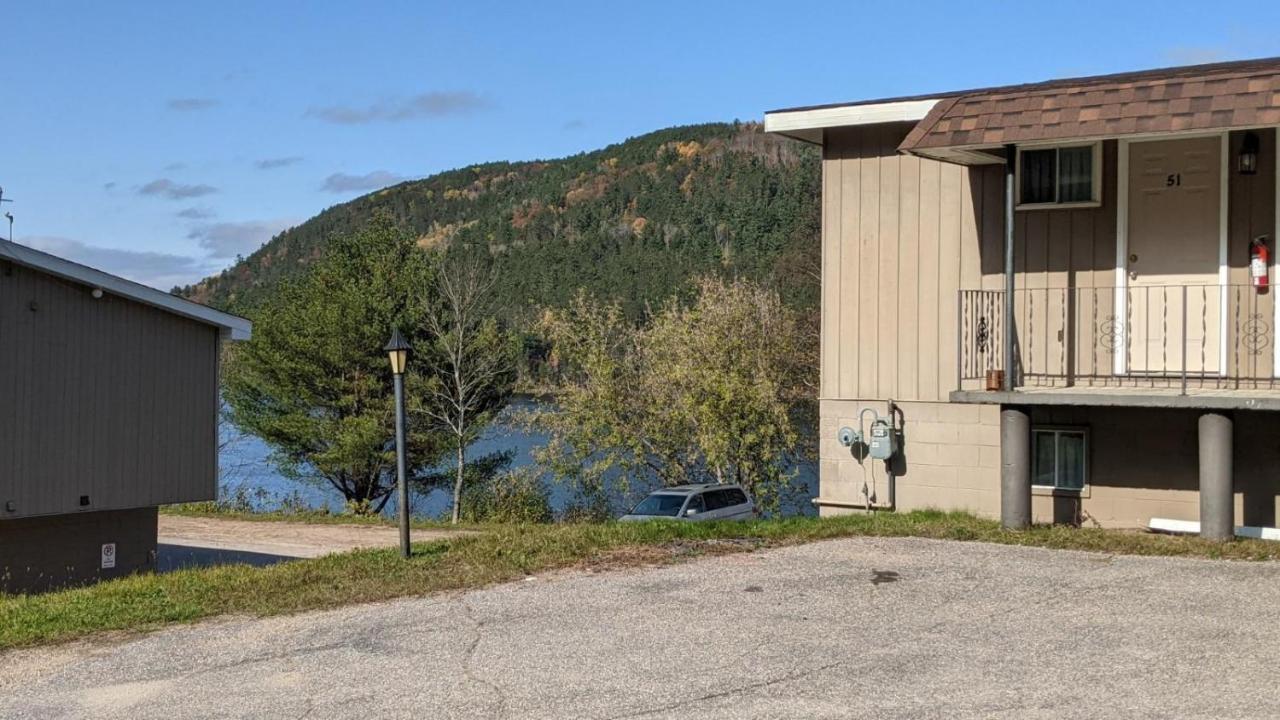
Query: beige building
column 1063, row 287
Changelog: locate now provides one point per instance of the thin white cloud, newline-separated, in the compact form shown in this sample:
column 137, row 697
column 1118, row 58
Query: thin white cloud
column 425, row 105
column 273, row 163
column 230, row 239
column 189, row 104
column 159, row 270
column 343, row 183
column 196, row 213
column 164, row 187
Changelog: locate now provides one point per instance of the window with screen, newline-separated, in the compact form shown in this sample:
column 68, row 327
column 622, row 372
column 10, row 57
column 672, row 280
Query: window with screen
column 1056, row 176
column 1059, row 458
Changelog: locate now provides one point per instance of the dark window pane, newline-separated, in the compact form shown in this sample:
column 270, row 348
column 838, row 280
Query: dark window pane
column 665, row 505
column 1038, row 175
column 715, row 499
column 737, row 497
column 1044, row 459
column 1071, row 461
column 1075, row 176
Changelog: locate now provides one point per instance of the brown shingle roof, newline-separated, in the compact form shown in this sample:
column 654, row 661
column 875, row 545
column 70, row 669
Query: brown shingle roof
column 1202, row 97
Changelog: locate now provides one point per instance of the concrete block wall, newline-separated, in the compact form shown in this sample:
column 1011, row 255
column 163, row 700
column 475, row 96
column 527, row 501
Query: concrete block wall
column 951, row 458
column 1142, row 463
column 54, row 551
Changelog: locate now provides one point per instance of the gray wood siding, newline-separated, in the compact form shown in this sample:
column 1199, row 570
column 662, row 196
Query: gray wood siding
column 105, row 397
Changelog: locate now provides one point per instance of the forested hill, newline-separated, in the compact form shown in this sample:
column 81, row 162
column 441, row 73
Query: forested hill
column 633, row 221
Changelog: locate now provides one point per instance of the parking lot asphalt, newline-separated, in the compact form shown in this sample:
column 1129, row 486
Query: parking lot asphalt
column 883, row 628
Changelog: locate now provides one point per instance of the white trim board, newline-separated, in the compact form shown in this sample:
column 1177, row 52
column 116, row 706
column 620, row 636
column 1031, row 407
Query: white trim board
column 796, row 122
column 232, row 326
column 1192, row 527
column 1224, row 270
column 1119, row 361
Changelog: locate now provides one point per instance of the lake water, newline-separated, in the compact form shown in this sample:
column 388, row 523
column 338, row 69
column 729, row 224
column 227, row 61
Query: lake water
column 245, row 466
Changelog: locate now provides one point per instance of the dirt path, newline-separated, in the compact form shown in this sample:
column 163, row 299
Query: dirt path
column 287, row 539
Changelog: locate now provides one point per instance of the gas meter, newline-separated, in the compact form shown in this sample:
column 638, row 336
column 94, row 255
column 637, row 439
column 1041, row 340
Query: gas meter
column 884, row 441
column 881, row 442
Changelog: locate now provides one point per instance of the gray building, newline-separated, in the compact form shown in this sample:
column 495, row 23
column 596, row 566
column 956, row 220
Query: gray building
column 108, row 409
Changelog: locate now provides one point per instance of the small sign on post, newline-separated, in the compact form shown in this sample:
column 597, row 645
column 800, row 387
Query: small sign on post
column 108, row 556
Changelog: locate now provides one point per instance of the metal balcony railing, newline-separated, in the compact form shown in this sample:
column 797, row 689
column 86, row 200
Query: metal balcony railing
column 1160, row 336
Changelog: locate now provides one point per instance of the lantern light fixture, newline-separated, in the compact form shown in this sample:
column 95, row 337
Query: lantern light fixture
column 398, row 352
column 1247, row 161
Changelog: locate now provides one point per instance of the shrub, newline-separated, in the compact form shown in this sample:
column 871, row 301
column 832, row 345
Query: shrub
column 517, row 496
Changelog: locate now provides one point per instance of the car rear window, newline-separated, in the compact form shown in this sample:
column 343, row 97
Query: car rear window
column 717, row 499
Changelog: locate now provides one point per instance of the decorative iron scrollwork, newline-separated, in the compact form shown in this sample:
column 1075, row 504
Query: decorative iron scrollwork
column 1110, row 332
column 1256, row 334
column 983, row 335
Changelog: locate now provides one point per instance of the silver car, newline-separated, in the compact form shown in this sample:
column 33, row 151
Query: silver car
column 709, row 501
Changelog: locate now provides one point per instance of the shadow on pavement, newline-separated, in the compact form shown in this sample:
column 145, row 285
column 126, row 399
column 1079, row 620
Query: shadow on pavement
column 178, row 557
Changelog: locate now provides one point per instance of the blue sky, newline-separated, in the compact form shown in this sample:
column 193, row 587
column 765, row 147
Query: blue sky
column 159, row 140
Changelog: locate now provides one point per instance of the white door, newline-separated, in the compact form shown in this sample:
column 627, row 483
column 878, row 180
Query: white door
column 1174, row 246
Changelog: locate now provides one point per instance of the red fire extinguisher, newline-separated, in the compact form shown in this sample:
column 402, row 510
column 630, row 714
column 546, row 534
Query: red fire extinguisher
column 1259, row 262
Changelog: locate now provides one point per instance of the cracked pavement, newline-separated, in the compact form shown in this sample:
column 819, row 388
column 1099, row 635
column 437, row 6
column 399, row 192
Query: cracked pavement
column 865, row 627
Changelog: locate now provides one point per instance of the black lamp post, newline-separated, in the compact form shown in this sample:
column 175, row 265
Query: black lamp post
column 398, row 351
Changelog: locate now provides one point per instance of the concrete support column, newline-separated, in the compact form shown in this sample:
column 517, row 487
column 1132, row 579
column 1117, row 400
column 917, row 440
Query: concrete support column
column 1217, row 501
column 1015, row 468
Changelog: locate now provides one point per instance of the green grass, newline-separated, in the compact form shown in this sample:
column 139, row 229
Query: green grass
column 503, row 553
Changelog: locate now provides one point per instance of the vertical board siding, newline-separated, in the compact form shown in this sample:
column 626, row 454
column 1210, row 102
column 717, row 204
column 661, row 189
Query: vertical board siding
column 889, row 243
column 847, row 280
column 831, row 208
column 928, row 260
column 101, row 397
column 908, row 303
column 951, row 209
column 902, row 235
column 900, row 238
column 867, row 271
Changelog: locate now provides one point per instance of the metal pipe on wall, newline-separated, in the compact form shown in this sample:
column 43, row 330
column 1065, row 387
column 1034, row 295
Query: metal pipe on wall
column 1010, row 162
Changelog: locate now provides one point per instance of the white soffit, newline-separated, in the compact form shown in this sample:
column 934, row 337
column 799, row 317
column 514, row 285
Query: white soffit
column 231, row 326
column 808, row 124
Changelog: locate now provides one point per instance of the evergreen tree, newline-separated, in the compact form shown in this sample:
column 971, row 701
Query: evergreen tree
column 314, row 383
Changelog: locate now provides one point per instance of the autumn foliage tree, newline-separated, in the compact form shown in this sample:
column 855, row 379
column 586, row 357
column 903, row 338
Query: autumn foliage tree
column 712, row 390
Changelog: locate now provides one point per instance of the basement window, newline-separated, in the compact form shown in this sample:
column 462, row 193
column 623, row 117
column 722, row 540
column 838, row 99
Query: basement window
column 1058, row 177
column 1060, row 458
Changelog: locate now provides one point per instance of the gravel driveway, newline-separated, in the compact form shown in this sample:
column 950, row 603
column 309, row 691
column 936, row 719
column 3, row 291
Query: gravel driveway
column 203, row 541
column 882, row 628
